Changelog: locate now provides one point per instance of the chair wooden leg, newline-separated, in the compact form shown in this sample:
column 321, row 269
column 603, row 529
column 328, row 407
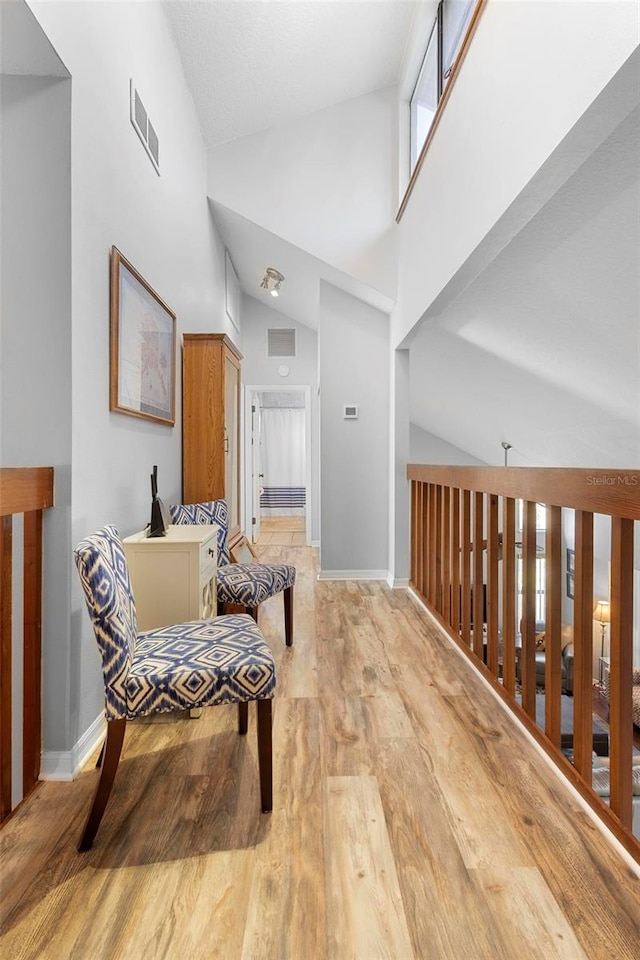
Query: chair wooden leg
column 221, row 607
column 112, row 750
column 288, row 616
column 243, row 716
column 265, row 758
column 253, row 612
column 101, row 754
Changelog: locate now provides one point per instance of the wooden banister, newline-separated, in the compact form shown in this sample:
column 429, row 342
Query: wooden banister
column 26, row 491
column 463, row 533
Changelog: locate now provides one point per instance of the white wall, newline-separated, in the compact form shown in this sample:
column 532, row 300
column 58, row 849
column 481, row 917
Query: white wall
column 35, row 355
column 260, row 370
column 326, row 183
column 163, row 226
column 425, row 447
column 353, row 347
column 499, row 128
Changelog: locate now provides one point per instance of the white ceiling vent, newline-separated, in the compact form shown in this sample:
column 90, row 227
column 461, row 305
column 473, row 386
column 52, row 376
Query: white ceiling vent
column 143, row 127
column 281, row 342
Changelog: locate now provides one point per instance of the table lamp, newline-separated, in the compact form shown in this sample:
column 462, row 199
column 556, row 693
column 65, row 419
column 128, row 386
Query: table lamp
column 602, row 613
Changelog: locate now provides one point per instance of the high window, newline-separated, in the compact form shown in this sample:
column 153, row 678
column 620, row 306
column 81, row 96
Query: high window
column 447, row 36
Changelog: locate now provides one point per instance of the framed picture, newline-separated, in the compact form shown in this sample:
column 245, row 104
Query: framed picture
column 571, row 571
column 143, row 347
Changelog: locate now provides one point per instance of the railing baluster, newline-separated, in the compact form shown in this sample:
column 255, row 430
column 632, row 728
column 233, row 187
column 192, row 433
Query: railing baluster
column 528, row 652
column 32, row 670
column 509, row 594
column 492, row 585
column 621, row 660
column 438, row 545
column 583, row 645
column 553, row 625
column 6, row 580
column 455, row 560
column 478, row 573
column 431, row 569
column 446, row 553
column 466, row 567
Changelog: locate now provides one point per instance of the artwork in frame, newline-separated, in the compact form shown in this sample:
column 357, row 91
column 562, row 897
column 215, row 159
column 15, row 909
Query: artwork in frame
column 571, row 571
column 143, row 346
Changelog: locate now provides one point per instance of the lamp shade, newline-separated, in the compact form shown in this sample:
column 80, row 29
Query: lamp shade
column 602, row 611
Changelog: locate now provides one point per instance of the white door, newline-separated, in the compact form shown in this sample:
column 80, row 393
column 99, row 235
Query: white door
column 256, row 473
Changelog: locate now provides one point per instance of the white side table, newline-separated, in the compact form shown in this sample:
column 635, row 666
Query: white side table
column 173, row 577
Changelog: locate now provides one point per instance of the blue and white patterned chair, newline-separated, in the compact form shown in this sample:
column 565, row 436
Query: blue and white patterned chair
column 197, row 664
column 243, row 584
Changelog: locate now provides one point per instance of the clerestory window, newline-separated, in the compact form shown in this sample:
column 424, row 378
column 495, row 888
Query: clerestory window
column 446, row 39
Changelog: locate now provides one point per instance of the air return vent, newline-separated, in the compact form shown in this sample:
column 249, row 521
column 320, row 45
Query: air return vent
column 144, row 128
column 281, row 342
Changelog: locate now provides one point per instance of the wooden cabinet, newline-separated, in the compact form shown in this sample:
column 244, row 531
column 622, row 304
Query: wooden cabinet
column 211, row 421
column 173, row 577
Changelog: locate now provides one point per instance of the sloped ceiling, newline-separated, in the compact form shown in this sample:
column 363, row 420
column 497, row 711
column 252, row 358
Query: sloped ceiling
column 253, row 64
column 543, row 349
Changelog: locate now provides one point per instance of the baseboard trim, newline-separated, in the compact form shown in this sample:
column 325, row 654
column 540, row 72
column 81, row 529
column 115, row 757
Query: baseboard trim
column 65, row 765
column 397, row 584
column 315, row 543
column 353, row 575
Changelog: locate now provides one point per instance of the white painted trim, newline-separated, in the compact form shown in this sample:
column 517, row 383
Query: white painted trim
column 397, row 584
column 353, row 575
column 602, row 827
column 249, row 390
column 315, row 543
column 66, row 764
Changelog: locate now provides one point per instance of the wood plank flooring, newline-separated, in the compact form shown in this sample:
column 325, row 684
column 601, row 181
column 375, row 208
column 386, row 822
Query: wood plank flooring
column 411, row 819
column 282, row 531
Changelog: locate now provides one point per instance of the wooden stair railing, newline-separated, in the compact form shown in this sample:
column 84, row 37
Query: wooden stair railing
column 459, row 516
column 26, row 491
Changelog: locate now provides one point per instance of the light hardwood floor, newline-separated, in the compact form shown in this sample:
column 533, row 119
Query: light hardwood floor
column 282, row 531
column 411, row 819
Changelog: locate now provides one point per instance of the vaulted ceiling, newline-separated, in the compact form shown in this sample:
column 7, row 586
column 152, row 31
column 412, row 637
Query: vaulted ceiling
column 253, row 64
column 543, row 348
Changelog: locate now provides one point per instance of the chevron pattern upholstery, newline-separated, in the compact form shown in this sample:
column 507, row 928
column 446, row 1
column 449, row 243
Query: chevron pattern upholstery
column 243, row 584
column 183, row 666
column 215, row 511
column 250, row 584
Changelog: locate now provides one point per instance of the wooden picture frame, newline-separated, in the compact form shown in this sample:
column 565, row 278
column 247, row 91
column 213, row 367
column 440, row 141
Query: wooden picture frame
column 571, row 571
column 142, row 376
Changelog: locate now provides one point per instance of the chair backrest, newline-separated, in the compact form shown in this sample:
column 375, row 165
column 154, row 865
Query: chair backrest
column 104, row 575
column 214, row 511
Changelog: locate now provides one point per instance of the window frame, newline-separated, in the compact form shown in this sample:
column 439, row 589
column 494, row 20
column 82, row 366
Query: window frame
column 444, row 90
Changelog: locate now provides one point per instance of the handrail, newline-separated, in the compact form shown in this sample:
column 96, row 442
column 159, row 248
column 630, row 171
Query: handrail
column 27, row 491
column 463, row 531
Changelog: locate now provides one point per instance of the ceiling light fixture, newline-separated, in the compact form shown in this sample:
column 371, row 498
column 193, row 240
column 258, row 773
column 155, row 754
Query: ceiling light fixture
column 271, row 281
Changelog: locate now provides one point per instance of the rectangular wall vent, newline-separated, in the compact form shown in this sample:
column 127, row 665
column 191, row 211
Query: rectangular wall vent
column 143, row 127
column 281, row 342
column 350, row 411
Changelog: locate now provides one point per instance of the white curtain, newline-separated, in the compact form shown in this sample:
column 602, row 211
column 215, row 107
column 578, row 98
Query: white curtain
column 282, row 457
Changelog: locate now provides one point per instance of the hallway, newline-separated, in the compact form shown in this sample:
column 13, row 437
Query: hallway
column 411, row 819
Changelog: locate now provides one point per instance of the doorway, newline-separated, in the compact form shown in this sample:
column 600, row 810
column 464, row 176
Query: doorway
column 277, row 456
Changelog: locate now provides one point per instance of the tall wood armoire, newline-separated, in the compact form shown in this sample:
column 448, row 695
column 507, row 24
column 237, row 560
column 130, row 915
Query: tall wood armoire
column 211, row 421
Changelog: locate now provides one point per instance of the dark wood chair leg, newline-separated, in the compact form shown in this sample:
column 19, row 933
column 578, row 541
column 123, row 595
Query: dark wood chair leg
column 253, row 612
column 243, row 716
column 112, row 750
column 101, row 754
column 265, row 759
column 288, row 616
column 221, row 607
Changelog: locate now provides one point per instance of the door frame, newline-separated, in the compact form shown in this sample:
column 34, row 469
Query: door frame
column 250, row 389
